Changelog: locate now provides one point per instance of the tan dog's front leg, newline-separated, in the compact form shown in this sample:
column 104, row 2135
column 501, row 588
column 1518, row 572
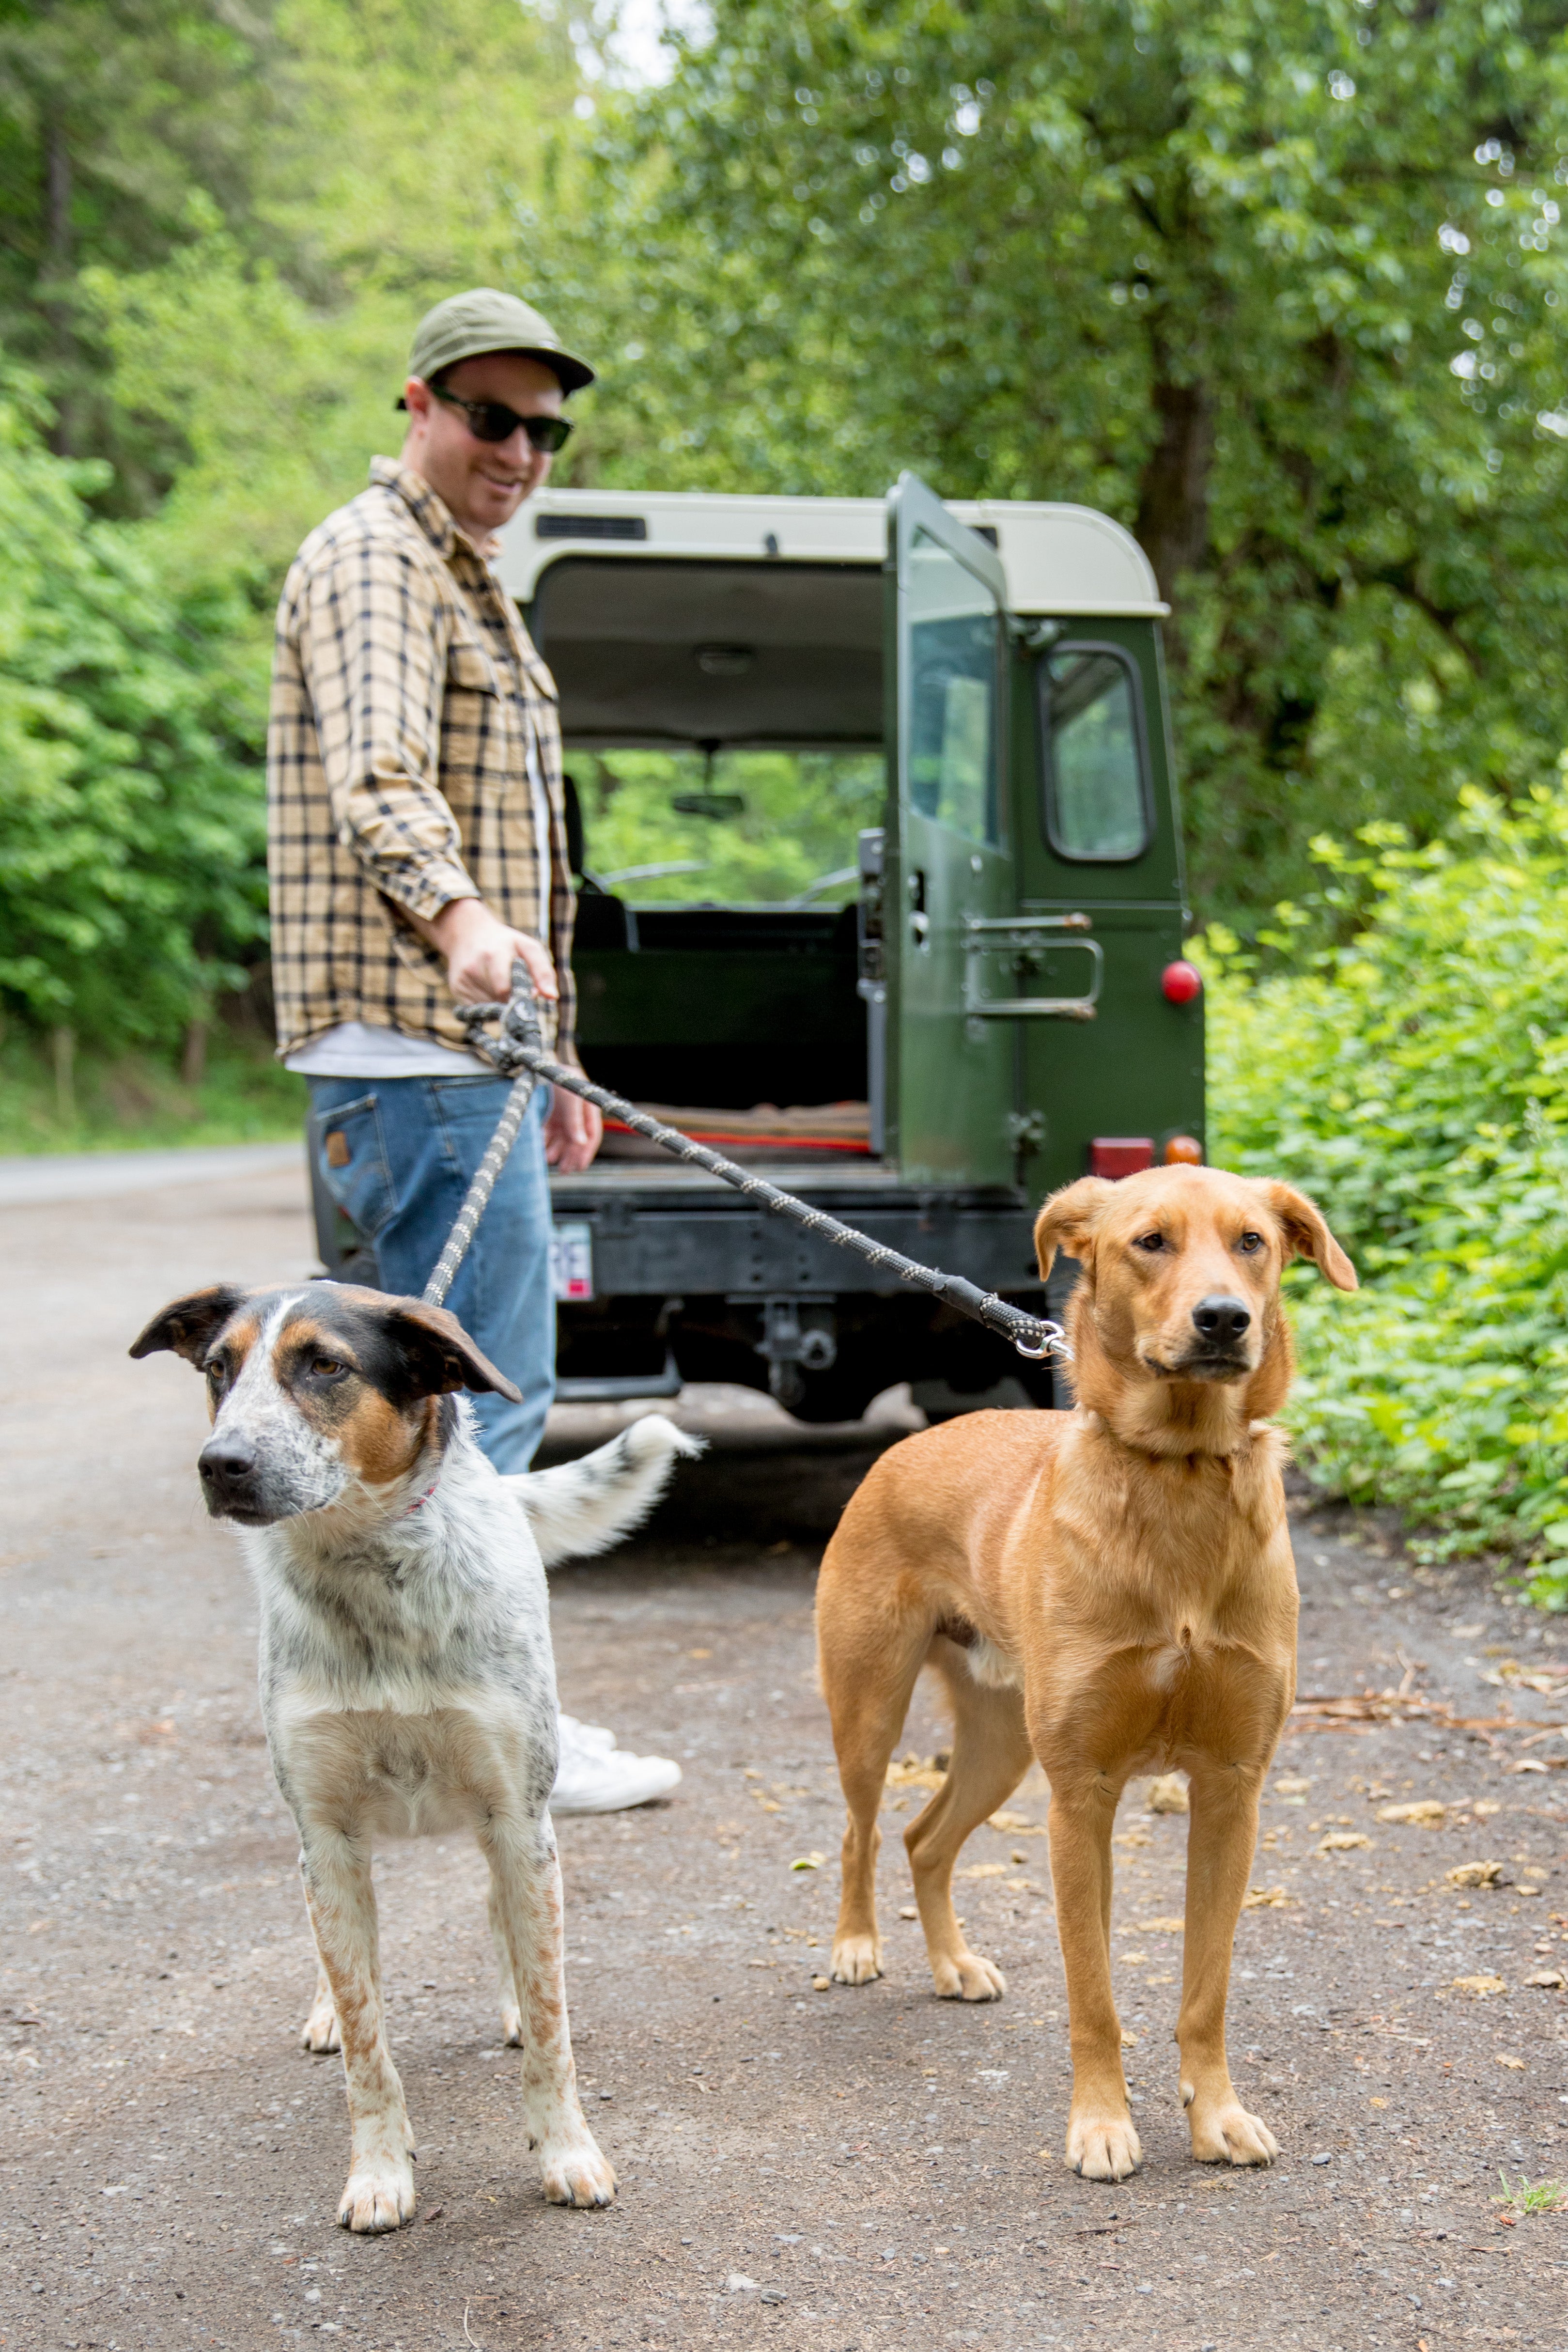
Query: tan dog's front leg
column 1101, row 2141
column 525, row 1915
column 1221, row 1841
column 380, row 2192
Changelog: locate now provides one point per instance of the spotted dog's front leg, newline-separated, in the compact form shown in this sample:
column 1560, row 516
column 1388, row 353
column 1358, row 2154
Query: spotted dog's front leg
column 525, row 1914
column 380, row 2192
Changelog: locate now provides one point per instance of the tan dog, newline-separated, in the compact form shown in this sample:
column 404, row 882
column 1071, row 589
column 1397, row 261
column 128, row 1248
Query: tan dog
column 1111, row 1589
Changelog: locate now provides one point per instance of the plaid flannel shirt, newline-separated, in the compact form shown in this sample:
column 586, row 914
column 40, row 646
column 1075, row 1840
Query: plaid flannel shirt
column 404, row 689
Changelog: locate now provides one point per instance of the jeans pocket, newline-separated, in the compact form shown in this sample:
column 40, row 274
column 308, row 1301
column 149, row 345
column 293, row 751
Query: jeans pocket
column 350, row 1151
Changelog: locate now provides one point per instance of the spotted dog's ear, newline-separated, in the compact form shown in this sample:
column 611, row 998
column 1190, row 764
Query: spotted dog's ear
column 1068, row 1220
column 435, row 1353
column 189, row 1326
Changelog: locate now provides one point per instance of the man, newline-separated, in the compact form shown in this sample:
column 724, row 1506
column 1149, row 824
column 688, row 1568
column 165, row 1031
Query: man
column 416, row 848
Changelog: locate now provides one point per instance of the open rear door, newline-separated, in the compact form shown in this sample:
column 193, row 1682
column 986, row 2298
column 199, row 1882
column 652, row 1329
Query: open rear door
column 950, row 1075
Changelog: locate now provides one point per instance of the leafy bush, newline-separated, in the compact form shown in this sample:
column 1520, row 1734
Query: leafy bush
column 1415, row 1080
column 131, row 823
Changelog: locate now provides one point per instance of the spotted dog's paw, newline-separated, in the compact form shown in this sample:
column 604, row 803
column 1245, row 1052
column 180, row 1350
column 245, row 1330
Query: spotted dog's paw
column 577, row 2173
column 319, row 2033
column 378, row 2195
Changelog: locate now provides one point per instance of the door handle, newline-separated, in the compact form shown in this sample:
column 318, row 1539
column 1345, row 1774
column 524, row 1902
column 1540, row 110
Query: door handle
column 919, row 921
column 986, row 934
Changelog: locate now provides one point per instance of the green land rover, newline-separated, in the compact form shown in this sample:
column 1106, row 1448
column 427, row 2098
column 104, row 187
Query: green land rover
column 874, row 814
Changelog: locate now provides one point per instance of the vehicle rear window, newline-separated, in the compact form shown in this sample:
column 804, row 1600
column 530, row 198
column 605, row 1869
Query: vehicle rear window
column 1093, row 756
column 952, row 710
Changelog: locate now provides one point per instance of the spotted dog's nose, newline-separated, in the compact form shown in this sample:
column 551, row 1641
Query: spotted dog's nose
column 1221, row 1321
column 228, row 1467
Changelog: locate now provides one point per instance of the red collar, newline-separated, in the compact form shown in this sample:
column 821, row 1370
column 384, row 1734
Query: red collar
column 420, row 1500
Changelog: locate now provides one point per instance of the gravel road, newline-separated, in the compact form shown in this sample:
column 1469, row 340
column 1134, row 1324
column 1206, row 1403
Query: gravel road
column 860, row 2171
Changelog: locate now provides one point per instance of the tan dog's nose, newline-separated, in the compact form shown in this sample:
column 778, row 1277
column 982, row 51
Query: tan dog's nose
column 1221, row 1319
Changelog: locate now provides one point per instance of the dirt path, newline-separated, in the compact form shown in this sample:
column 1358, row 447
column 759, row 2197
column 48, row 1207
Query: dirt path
column 856, row 2171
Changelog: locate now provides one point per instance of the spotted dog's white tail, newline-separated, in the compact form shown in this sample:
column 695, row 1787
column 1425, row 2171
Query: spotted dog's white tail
column 583, row 1508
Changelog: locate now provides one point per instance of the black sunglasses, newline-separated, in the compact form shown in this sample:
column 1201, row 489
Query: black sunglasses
column 492, row 420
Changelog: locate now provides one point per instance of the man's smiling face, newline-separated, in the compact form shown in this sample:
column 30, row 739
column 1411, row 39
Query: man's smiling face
column 481, row 483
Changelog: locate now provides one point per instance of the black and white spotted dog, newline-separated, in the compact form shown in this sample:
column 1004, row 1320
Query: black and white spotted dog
column 407, row 1680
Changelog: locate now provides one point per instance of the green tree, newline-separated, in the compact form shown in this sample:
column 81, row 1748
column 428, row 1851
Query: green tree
column 132, row 835
column 1279, row 285
column 113, row 114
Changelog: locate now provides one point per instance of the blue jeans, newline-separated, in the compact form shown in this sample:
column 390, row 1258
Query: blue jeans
column 413, row 1145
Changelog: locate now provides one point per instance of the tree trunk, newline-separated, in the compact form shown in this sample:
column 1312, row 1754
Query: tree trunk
column 64, row 1042
column 193, row 1060
column 1172, row 526
column 58, row 265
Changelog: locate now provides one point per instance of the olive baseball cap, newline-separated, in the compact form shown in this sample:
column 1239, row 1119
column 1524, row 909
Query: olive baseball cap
column 485, row 321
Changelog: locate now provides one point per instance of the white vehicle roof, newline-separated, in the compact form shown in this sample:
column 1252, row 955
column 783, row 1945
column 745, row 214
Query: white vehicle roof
column 1058, row 558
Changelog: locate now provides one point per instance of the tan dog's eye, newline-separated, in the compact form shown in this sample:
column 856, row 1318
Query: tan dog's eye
column 1250, row 1243
column 326, row 1368
column 1150, row 1241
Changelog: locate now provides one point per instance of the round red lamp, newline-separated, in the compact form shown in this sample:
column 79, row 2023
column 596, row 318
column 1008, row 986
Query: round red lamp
column 1180, row 982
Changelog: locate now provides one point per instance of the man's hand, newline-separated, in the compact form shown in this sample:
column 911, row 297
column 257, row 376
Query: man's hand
column 480, row 950
column 573, row 1132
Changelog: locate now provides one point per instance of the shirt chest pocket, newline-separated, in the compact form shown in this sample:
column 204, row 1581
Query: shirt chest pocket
column 469, row 670
column 478, row 723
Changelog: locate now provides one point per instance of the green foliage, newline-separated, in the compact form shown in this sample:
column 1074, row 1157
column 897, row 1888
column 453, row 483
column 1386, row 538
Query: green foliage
column 1277, row 284
column 132, row 1098
column 114, row 116
column 1413, row 1078
column 793, row 834
column 130, row 824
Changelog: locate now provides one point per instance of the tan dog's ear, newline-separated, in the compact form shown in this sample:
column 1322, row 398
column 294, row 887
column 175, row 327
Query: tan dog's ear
column 189, row 1326
column 1307, row 1233
column 1068, row 1220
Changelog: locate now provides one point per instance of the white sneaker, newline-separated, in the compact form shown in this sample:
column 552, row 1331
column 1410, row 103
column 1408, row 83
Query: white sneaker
column 579, row 1738
column 594, row 1776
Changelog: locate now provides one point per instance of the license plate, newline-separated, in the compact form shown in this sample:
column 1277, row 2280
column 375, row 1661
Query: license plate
column 571, row 1261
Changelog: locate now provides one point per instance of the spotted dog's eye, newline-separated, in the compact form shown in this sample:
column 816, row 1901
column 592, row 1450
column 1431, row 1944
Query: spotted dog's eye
column 1150, row 1241
column 327, row 1368
column 1250, row 1243
column 214, row 1374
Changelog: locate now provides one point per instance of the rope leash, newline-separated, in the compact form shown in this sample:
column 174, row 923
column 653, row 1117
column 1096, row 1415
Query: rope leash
column 518, row 1052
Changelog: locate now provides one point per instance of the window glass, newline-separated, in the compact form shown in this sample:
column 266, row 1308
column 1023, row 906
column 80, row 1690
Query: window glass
column 751, row 828
column 951, row 717
column 1092, row 738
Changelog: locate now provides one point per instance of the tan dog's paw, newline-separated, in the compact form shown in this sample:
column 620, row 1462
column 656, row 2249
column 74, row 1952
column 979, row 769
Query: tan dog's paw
column 378, row 2195
column 857, row 1959
column 967, row 1976
column 1104, row 2147
column 1224, row 2133
column 512, row 2026
column 578, row 2174
column 320, row 2033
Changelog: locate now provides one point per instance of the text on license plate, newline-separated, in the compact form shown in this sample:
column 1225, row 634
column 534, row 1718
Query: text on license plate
column 571, row 1261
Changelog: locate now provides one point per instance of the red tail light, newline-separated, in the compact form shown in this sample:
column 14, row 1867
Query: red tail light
column 1120, row 1155
column 1180, row 982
